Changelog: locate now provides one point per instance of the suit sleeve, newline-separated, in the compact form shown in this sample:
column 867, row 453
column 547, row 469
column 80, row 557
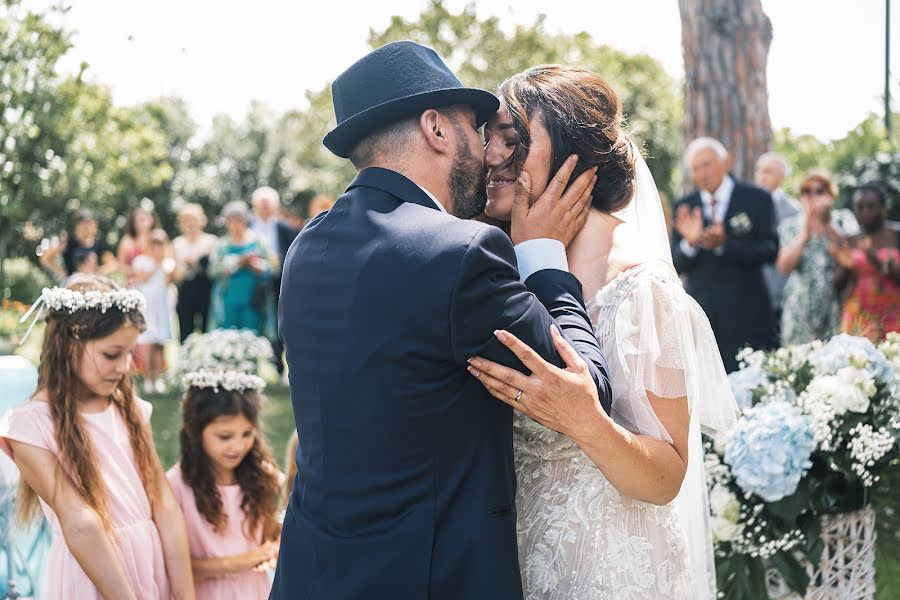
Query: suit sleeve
column 761, row 246
column 684, row 263
column 489, row 296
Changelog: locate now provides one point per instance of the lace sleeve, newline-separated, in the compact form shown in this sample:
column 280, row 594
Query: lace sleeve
column 664, row 345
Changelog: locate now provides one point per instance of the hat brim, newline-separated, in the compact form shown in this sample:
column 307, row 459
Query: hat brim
column 341, row 139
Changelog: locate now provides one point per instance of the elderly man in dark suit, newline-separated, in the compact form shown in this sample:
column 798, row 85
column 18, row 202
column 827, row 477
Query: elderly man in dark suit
column 724, row 234
column 406, row 484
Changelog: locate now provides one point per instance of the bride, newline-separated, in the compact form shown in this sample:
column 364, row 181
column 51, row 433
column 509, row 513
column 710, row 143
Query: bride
column 607, row 506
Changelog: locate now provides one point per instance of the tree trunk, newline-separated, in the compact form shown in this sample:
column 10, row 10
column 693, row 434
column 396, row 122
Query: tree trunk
column 726, row 47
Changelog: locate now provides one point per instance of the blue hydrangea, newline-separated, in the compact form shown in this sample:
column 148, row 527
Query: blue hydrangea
column 845, row 350
column 743, row 383
column 769, row 449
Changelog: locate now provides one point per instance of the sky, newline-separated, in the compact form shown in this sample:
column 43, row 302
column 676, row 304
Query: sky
column 825, row 70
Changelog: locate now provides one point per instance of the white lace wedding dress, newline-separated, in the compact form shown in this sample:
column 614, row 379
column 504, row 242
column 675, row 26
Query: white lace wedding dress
column 578, row 537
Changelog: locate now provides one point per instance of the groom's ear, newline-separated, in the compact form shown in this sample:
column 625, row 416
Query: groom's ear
column 435, row 127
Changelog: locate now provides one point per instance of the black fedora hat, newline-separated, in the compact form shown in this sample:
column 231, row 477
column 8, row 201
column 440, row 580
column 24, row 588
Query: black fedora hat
column 393, row 82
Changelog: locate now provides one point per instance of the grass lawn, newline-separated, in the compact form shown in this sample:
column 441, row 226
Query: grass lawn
column 279, row 425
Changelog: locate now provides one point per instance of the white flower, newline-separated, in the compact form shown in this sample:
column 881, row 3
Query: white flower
column 859, row 377
column 839, row 393
column 724, row 503
column 229, row 380
column 724, row 530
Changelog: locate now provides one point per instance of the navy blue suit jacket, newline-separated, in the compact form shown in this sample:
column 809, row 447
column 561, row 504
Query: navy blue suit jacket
column 406, row 484
column 730, row 286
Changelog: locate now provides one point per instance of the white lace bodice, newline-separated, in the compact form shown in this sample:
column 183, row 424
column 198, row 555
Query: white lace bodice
column 578, row 537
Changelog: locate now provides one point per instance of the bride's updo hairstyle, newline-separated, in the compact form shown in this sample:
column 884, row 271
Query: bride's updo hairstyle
column 583, row 116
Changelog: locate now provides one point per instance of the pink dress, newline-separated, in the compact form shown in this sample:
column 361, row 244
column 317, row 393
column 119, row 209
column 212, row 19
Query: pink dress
column 206, row 543
column 136, row 537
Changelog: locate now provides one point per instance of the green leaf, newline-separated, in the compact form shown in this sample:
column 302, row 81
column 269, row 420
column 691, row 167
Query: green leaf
column 791, row 570
column 790, row 507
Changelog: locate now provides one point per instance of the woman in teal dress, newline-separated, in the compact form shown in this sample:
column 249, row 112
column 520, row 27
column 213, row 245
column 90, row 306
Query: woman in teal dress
column 242, row 267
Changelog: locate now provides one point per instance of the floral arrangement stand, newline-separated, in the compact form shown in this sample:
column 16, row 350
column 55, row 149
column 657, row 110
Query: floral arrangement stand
column 789, row 483
column 846, row 570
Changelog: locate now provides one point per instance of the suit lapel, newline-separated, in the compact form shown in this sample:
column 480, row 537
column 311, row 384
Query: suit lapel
column 394, row 184
column 733, row 207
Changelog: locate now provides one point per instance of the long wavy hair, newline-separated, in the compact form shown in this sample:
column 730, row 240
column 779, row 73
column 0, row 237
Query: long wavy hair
column 62, row 354
column 256, row 475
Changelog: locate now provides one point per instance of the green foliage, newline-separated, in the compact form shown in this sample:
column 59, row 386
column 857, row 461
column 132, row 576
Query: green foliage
column 24, row 280
column 866, row 154
column 483, row 54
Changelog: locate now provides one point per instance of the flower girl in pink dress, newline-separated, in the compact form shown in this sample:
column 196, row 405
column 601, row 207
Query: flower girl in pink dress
column 85, row 453
column 227, row 484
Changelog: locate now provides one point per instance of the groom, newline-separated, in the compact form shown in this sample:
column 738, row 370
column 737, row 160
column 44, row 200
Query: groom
column 406, row 485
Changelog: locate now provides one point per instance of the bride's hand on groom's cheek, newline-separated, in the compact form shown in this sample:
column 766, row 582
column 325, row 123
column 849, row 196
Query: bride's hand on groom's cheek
column 561, row 210
column 564, row 400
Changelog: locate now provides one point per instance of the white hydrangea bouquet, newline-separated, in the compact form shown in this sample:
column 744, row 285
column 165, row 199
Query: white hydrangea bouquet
column 223, row 349
column 820, row 422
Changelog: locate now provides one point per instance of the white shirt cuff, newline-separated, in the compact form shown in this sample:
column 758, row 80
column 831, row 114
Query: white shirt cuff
column 537, row 255
column 687, row 249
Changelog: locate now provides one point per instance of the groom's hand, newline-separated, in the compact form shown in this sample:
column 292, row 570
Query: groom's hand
column 561, row 210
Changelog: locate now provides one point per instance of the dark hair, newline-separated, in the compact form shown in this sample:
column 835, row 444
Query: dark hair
column 873, row 188
column 256, row 474
column 61, row 353
column 82, row 255
column 130, row 227
column 583, row 116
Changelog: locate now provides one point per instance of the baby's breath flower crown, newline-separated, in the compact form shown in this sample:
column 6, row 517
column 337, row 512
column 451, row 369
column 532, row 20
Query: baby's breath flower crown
column 59, row 299
column 233, row 381
column 63, row 299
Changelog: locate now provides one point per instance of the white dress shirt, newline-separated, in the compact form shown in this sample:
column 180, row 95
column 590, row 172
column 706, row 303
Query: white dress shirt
column 717, row 213
column 268, row 231
column 531, row 255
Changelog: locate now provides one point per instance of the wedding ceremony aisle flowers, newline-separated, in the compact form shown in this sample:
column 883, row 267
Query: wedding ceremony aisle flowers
column 790, row 483
column 223, row 349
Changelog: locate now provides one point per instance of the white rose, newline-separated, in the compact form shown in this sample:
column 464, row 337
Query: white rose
column 719, row 499
column 719, row 442
column 724, row 530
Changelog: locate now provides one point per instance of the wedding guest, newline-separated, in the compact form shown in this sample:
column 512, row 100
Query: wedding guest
column 241, row 268
column 278, row 235
column 136, row 239
column 811, row 309
column 724, row 234
column 192, row 251
column 771, row 171
column 870, row 264
column 227, row 485
column 152, row 273
column 86, row 262
column 319, row 204
column 84, row 238
column 85, row 453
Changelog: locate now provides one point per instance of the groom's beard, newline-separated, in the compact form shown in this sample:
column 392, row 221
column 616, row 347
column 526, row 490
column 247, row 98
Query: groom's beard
column 467, row 182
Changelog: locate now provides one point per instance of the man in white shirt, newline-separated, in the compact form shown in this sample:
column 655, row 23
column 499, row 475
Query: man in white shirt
column 277, row 235
column 771, row 171
column 724, row 234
